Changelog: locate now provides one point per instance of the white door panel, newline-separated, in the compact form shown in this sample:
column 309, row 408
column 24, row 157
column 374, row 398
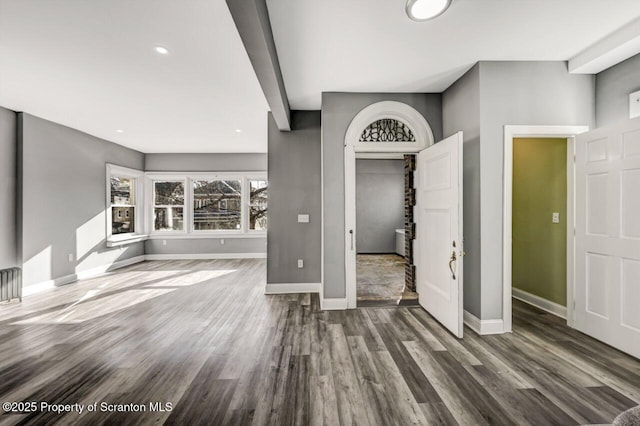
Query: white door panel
column 438, row 213
column 607, row 243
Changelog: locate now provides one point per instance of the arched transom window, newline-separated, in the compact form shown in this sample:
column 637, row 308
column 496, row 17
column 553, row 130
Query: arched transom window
column 387, row 130
column 388, row 126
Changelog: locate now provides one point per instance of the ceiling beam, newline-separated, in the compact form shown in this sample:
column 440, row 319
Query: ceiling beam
column 252, row 20
column 611, row 50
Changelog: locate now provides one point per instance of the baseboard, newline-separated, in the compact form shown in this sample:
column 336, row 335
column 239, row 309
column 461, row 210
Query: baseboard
column 483, row 327
column 333, row 304
column 540, row 303
column 81, row 275
column 285, row 288
column 205, row 256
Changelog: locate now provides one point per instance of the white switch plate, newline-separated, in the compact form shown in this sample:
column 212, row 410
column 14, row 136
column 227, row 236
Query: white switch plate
column 303, row 218
column 164, row 242
column 634, row 104
column 555, row 218
column 300, row 263
column 70, row 257
column 222, row 242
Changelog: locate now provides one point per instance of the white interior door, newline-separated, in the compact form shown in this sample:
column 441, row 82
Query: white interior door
column 438, row 243
column 607, row 243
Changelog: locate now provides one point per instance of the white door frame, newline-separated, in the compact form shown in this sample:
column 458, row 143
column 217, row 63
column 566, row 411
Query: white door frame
column 424, row 138
column 511, row 132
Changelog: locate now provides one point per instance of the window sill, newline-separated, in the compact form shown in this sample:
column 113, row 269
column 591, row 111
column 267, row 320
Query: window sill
column 206, row 235
column 115, row 241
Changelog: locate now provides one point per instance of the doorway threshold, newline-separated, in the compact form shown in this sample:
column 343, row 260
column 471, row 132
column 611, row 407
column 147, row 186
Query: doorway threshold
column 408, row 299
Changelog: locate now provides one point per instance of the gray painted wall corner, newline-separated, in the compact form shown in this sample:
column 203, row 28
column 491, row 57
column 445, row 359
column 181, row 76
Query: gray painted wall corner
column 461, row 112
column 63, row 200
column 294, row 188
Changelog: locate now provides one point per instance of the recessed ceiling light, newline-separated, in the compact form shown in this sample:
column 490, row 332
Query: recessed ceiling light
column 238, row 130
column 120, row 131
column 161, row 50
column 423, row 10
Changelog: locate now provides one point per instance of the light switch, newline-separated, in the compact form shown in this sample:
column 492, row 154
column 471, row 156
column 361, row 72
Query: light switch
column 555, row 218
column 634, row 104
column 303, row 218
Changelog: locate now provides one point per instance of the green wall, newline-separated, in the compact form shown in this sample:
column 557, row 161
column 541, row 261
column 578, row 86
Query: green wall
column 539, row 189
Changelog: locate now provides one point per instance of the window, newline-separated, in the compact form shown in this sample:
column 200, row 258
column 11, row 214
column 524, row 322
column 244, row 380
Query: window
column 124, row 203
column 200, row 205
column 258, row 205
column 168, row 206
column 217, row 205
column 387, row 130
column 122, row 200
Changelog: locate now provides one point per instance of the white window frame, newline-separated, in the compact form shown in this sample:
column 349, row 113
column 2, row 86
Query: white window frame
column 189, row 177
column 137, row 179
column 150, row 203
column 212, row 177
column 247, row 205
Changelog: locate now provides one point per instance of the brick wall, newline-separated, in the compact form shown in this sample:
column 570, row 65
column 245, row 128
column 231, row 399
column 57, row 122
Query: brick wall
column 409, row 224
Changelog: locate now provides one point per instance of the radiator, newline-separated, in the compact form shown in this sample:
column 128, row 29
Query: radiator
column 10, row 284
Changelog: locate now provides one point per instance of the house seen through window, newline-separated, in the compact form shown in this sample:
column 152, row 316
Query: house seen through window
column 122, row 205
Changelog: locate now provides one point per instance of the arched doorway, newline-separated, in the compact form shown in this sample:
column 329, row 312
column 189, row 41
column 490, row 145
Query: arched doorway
column 383, row 130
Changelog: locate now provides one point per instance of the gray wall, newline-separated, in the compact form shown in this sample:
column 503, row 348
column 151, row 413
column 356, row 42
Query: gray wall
column 461, row 112
column 338, row 109
column 206, row 246
column 62, row 209
column 613, row 87
column 518, row 93
column 379, row 204
column 294, row 188
column 205, row 162
column 8, row 133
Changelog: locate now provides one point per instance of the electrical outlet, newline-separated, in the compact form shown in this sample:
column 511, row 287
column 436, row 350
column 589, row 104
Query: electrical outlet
column 221, row 242
column 303, row 218
column 70, row 257
column 300, row 263
column 555, row 217
column 164, row 242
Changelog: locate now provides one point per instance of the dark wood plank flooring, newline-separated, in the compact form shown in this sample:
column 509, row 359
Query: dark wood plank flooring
column 202, row 336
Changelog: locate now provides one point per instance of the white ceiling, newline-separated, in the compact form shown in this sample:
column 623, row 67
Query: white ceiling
column 90, row 65
column 372, row 46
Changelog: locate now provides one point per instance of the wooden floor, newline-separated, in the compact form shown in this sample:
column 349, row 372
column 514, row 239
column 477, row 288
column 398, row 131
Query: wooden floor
column 201, row 336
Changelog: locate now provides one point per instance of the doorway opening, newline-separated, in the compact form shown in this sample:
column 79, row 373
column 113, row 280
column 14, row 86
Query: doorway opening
column 382, row 263
column 538, row 265
column 383, row 130
column 539, row 223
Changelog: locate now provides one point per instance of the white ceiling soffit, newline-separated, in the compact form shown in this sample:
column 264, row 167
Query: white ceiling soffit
column 372, row 45
column 611, row 50
column 91, row 65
